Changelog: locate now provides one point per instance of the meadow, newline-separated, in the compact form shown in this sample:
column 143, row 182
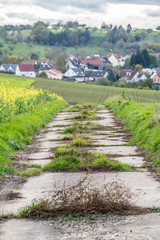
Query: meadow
column 84, row 93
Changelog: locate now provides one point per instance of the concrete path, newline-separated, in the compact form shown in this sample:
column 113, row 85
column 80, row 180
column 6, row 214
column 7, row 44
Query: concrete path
column 109, row 139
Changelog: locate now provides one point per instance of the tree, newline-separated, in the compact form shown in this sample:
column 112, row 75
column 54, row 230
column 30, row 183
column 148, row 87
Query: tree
column 133, row 60
column 103, row 81
column 146, row 58
column 12, row 59
column 148, row 83
column 138, row 67
column 111, row 77
column 60, row 63
column 34, row 56
column 153, row 60
column 129, row 28
column 43, row 75
column 139, row 58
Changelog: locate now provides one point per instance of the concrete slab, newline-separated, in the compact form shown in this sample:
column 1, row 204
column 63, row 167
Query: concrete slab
column 51, row 144
column 58, row 122
column 136, row 161
column 109, row 142
column 117, row 150
column 145, row 188
column 41, row 162
column 28, row 230
column 40, row 155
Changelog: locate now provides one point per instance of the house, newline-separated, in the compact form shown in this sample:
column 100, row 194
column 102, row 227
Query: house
column 26, row 70
column 73, row 63
column 106, row 61
column 98, row 64
column 54, row 74
column 8, row 68
column 44, row 66
column 115, row 59
column 33, row 62
column 95, row 75
column 74, row 72
column 156, row 78
column 131, row 76
column 127, row 75
column 124, row 74
column 147, row 71
column 141, row 77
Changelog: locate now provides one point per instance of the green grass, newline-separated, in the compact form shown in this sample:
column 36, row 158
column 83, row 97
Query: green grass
column 83, row 93
column 30, row 172
column 15, row 81
column 143, row 120
column 84, row 160
column 15, row 134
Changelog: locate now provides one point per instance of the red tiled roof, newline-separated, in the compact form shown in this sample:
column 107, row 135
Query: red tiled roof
column 26, row 67
column 115, row 55
column 92, row 62
column 109, row 55
column 54, row 71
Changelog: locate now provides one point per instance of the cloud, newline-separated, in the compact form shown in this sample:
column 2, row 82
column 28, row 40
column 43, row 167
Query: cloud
column 91, row 5
column 152, row 13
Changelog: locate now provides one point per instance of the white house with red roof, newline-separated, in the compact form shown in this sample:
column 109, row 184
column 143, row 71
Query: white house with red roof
column 26, row 70
column 54, row 74
column 115, row 59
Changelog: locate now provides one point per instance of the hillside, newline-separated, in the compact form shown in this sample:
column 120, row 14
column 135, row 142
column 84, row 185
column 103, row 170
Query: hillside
column 20, row 44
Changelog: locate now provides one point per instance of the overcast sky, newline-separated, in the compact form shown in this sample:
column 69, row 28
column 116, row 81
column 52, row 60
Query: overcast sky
column 139, row 13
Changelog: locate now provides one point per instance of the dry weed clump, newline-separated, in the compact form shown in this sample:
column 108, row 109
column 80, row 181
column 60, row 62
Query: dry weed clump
column 82, row 199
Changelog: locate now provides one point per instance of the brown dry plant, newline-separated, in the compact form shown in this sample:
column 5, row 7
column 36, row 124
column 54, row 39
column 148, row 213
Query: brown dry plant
column 84, row 199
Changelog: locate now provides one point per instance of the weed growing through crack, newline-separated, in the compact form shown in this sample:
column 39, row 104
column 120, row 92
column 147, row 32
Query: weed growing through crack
column 83, row 199
column 77, row 159
column 30, row 172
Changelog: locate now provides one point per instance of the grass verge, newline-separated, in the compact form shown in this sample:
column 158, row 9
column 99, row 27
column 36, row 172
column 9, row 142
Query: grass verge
column 143, row 120
column 15, row 134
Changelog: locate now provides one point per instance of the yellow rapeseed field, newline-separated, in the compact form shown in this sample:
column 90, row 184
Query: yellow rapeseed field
column 16, row 100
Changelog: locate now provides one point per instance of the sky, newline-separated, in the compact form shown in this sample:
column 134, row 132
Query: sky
column 138, row 13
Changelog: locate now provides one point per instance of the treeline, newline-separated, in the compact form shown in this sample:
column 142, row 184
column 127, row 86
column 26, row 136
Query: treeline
column 67, row 37
column 128, row 40
column 143, row 58
column 20, row 27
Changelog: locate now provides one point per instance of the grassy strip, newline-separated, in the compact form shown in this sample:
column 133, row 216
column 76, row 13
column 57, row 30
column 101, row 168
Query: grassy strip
column 70, row 158
column 144, row 122
column 15, row 134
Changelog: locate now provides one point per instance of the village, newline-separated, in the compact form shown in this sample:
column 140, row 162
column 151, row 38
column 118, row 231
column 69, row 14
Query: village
column 89, row 68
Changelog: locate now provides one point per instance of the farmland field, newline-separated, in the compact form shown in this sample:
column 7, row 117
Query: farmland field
column 82, row 93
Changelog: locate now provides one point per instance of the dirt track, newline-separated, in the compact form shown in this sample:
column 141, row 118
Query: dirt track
column 110, row 139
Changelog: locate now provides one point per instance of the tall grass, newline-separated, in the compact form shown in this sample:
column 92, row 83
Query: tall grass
column 143, row 120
